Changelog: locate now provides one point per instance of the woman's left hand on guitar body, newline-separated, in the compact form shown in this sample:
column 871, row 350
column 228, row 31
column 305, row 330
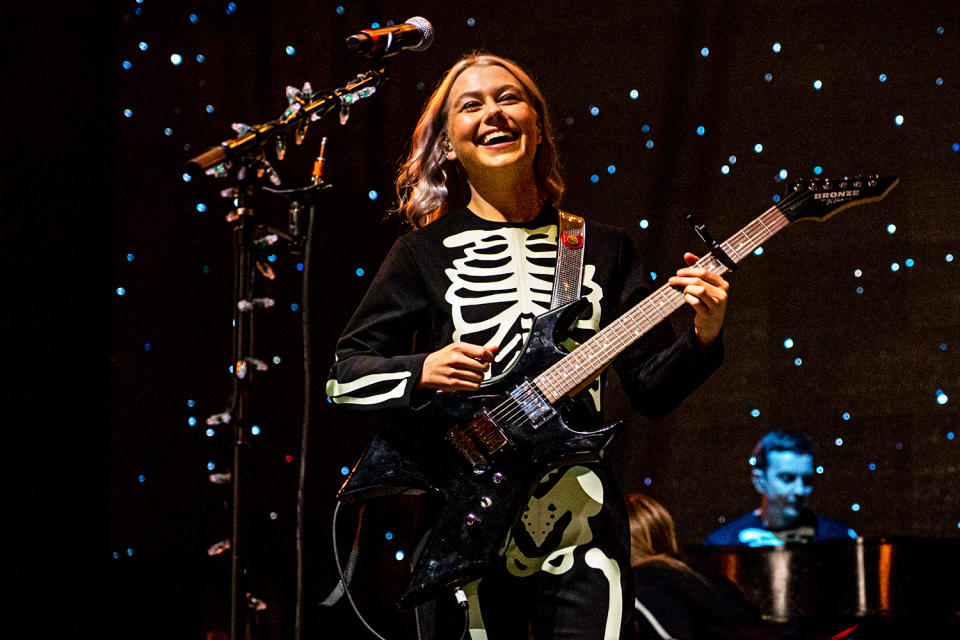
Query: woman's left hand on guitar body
column 706, row 292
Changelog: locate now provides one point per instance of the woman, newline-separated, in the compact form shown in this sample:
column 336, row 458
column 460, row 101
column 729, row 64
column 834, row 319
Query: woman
column 453, row 303
column 673, row 600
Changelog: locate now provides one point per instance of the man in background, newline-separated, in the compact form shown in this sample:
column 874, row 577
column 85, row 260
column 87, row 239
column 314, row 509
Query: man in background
column 782, row 475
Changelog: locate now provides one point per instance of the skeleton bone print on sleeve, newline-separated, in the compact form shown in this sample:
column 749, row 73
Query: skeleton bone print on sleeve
column 502, row 282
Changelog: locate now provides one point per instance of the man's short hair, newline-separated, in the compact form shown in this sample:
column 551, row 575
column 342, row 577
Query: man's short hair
column 780, row 440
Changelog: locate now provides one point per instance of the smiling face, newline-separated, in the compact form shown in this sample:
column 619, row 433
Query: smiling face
column 491, row 124
column 785, row 485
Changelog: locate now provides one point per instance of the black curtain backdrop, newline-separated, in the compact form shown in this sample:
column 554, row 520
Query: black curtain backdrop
column 120, row 274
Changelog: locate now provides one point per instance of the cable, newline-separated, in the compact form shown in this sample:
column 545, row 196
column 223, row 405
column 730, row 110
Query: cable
column 461, row 598
column 343, row 580
column 466, row 624
column 305, row 427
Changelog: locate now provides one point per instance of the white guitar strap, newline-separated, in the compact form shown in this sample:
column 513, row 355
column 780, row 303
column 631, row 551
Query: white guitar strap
column 569, row 272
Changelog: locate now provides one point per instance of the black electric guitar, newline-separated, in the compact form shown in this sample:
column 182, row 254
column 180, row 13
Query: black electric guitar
column 484, row 452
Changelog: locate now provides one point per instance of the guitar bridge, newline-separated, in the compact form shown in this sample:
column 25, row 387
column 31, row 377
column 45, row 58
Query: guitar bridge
column 480, row 438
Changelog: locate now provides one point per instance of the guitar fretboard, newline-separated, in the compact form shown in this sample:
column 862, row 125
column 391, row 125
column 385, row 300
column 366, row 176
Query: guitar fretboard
column 585, row 363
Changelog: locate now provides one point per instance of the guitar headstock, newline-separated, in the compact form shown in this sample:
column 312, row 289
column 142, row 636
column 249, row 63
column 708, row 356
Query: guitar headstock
column 821, row 198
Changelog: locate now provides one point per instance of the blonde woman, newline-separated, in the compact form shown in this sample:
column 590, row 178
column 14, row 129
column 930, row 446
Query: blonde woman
column 672, row 599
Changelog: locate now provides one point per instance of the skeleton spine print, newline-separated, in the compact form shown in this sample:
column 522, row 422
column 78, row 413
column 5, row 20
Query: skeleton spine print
column 502, row 282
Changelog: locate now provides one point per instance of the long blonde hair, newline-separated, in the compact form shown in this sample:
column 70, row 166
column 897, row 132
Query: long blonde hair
column 429, row 186
column 652, row 531
column 653, row 536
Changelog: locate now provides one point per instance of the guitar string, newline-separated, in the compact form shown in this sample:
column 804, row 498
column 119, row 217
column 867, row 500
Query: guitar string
column 549, row 383
column 530, row 391
column 552, row 377
column 517, row 407
column 756, row 232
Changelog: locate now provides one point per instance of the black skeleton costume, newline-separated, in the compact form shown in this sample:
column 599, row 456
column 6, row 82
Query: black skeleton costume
column 465, row 278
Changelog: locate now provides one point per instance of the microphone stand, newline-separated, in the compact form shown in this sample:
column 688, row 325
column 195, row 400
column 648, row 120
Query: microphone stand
column 242, row 347
column 304, row 107
column 239, row 159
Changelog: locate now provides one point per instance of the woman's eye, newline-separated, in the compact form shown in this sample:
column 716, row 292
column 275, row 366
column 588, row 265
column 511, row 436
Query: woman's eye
column 509, row 97
column 470, row 106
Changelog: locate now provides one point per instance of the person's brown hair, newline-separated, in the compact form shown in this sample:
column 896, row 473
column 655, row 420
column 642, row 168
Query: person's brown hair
column 429, row 186
column 652, row 531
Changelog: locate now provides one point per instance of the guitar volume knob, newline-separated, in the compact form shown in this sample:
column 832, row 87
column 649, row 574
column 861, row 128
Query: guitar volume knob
column 471, row 519
column 486, row 502
column 497, row 478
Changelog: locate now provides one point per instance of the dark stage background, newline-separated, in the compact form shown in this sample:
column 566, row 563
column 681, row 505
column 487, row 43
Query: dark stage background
column 847, row 330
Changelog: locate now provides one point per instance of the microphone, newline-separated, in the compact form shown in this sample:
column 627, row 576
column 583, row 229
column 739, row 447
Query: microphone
column 416, row 34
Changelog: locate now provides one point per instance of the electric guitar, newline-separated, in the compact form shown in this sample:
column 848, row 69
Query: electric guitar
column 485, row 451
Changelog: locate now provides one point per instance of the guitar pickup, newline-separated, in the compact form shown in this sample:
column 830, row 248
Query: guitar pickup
column 479, row 438
column 460, row 439
column 483, row 428
column 534, row 404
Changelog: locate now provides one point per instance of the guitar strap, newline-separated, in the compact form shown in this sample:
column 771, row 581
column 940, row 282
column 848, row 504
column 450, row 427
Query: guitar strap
column 569, row 272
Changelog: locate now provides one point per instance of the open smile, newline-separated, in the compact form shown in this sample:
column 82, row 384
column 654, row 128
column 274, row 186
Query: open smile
column 496, row 138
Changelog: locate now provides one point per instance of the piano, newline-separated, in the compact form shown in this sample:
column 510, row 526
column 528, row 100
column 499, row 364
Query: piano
column 889, row 587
